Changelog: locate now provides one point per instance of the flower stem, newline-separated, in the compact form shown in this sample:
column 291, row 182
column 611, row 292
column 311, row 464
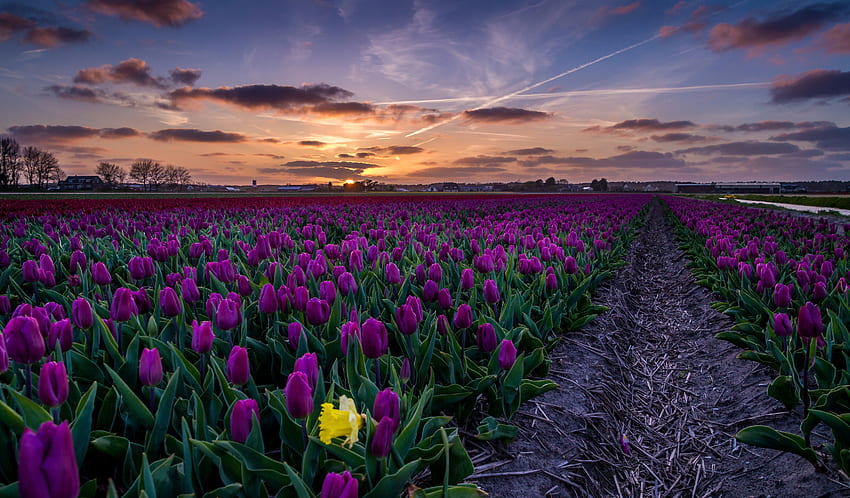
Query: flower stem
column 151, row 399
column 203, row 367
column 805, row 393
column 304, row 432
column 28, row 379
column 377, row 373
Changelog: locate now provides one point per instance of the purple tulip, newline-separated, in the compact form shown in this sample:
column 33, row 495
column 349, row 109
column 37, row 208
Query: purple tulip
column 491, row 291
column 24, row 342
column 347, row 283
column 782, row 325
column 435, row 272
column 318, row 311
column 123, row 305
column 54, row 310
column 782, row 295
column 430, row 291
column 228, row 315
column 819, row 292
column 339, row 486
column 293, row 333
column 382, row 439
column 4, row 356
column 189, row 290
column 387, row 405
column 551, row 281
column 47, row 466
column 442, row 324
column 100, row 275
column 78, row 262
column 169, row 303
column 268, row 299
column 570, row 265
column 327, row 291
column 29, row 271
column 485, row 336
column 300, row 297
column 42, row 317
column 142, row 300
column 405, row 319
column 374, row 338
column 405, row 370
column 62, row 332
column 463, row 317
column 242, row 419
column 202, row 337
column 309, row 364
column 53, row 384
column 299, row 395
column 507, row 354
column 348, row 330
column 809, row 321
column 284, row 297
column 81, row 313
column 238, row 367
column 150, row 367
column 416, row 305
column 392, row 273
column 6, row 305
column 444, row 298
column 137, row 268
column 467, row 279
column 212, row 303
column 243, row 285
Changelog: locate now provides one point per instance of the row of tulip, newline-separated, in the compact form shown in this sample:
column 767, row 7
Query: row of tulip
column 784, row 280
column 280, row 347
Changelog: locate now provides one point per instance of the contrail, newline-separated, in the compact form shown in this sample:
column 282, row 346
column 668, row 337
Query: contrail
column 599, row 91
column 535, row 85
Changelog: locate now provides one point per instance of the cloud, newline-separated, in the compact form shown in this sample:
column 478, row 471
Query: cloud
column 479, row 160
column 818, row 83
column 695, row 23
column 783, row 168
column 637, row 159
column 770, row 126
column 394, row 150
column 457, row 172
column 262, row 97
column 678, row 137
column 75, row 92
column 510, row 115
column 49, row 37
column 621, row 10
column 534, row 151
column 358, row 155
column 171, row 13
column 337, row 170
column 780, row 29
column 642, row 125
column 63, row 133
column 194, row 135
column 181, row 76
column 743, row 149
column 836, row 40
column 131, row 70
column 11, row 24
column 312, row 143
column 829, row 137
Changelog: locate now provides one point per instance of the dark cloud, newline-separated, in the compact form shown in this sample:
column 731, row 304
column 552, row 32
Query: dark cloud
column 181, row 76
column 836, row 40
column 271, row 156
column 478, row 160
column 785, row 168
column 625, row 148
column 394, row 150
column 815, row 84
column 779, row 29
column 342, row 108
column 830, row 137
column 511, row 115
column 844, row 156
column 312, row 143
column 132, row 70
column 269, row 140
column 49, row 37
column 770, row 126
column 743, row 149
column 695, row 23
column 358, row 155
column 61, row 133
column 534, row 151
column 337, row 170
column 805, row 153
column 637, row 159
column 678, row 137
column 194, row 135
column 345, row 156
column 259, row 97
column 11, row 24
column 75, row 92
column 642, row 125
column 171, row 13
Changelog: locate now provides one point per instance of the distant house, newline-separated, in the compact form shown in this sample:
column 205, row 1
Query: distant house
column 80, row 182
column 443, row 187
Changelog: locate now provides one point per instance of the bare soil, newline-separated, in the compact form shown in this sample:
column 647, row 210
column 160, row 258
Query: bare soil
column 650, row 369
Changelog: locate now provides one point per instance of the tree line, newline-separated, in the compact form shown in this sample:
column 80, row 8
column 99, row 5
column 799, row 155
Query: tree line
column 149, row 174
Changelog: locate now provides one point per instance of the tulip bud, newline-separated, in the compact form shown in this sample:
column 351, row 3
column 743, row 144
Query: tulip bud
column 169, row 303
column 819, row 293
column 47, row 466
column 551, row 281
column 123, row 305
column 63, row 332
column 29, row 271
column 809, row 321
column 228, row 314
column 430, row 291
column 136, row 265
column 327, row 291
column 81, row 313
column 339, row 486
column 782, row 325
column 6, row 304
column 4, row 356
column 78, row 262
column 150, row 367
column 405, row 319
column 242, row 418
column 53, row 384
column 347, row 283
column 293, row 333
column 24, row 342
column 100, row 275
column 382, row 439
column 243, row 285
column 268, row 299
column 299, row 395
column 570, row 265
column 387, row 405
column 202, row 337
column 189, row 290
column 54, row 310
column 782, row 295
column 318, row 311
column 444, row 298
column 507, row 354
column 442, row 324
column 485, row 337
column 404, row 372
column 142, row 300
column 392, row 273
column 463, row 316
column 435, row 272
column 467, row 279
column 238, row 367
column 374, row 338
column 491, row 291
column 300, row 297
column 309, row 364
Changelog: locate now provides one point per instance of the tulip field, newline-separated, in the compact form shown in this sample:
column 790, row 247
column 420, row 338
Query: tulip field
column 335, row 346
column 784, row 280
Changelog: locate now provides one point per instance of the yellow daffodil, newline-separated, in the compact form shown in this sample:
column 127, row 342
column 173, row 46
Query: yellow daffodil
column 344, row 421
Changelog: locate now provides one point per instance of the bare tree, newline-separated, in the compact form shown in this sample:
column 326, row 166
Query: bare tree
column 176, row 177
column 31, row 159
column 111, row 173
column 40, row 167
column 55, row 173
column 10, row 166
column 147, row 172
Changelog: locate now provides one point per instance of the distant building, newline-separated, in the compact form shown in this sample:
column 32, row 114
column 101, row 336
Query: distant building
column 443, row 187
column 728, row 188
column 297, row 188
column 79, row 182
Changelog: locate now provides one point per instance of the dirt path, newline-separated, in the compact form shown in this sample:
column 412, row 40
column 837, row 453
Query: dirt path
column 651, row 369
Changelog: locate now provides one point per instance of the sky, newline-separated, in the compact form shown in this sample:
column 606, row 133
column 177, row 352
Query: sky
column 416, row 91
